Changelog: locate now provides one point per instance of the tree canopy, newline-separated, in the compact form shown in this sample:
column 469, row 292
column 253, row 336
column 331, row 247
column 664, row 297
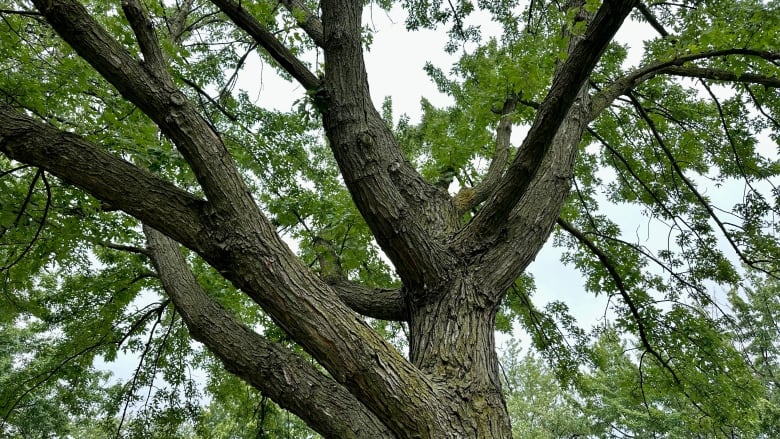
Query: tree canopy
column 149, row 199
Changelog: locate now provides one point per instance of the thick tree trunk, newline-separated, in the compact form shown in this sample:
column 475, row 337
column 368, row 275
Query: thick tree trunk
column 452, row 338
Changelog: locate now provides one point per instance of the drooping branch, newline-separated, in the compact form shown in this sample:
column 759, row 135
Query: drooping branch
column 567, row 83
column 40, row 174
column 754, row 263
column 278, row 51
column 294, row 383
column 623, row 290
column 468, row 198
column 677, row 66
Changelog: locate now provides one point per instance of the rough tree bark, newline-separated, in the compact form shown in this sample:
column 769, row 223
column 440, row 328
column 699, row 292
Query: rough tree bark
column 454, row 276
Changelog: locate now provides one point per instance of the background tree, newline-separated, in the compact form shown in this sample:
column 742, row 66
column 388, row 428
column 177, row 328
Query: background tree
column 123, row 137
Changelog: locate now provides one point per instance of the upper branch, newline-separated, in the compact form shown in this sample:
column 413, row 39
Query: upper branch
column 648, row 15
column 292, row 382
column 178, row 119
column 147, row 39
column 408, row 216
column 676, row 66
column 722, row 75
column 467, row 198
column 703, row 202
column 289, row 62
column 567, row 83
column 306, row 20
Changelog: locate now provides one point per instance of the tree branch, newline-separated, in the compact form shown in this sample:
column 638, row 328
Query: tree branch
column 567, row 84
column 409, row 217
column 168, row 107
column 110, row 179
column 294, row 383
column 306, row 20
column 251, row 256
column 124, row 248
column 278, row 51
column 675, row 66
column 722, row 75
column 621, row 287
column 378, row 303
column 147, row 39
column 468, row 198
column 753, row 263
column 648, row 15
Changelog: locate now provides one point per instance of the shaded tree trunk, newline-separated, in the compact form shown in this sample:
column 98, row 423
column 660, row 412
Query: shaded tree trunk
column 452, row 338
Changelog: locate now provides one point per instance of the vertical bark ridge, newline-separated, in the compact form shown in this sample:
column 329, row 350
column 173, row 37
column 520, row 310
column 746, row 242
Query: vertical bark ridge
column 453, row 340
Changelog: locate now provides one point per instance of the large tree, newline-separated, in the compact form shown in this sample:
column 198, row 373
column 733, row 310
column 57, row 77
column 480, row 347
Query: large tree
column 124, row 138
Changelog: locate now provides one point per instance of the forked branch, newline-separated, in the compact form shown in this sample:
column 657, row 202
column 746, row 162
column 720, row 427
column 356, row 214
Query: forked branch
column 147, row 39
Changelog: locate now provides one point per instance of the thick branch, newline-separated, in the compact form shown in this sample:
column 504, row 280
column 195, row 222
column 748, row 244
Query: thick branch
column 675, row 66
column 306, row 20
column 378, row 303
column 268, row 41
column 529, row 225
column 408, row 216
column 288, row 379
column 110, row 179
column 166, row 105
column 567, row 83
column 468, row 198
